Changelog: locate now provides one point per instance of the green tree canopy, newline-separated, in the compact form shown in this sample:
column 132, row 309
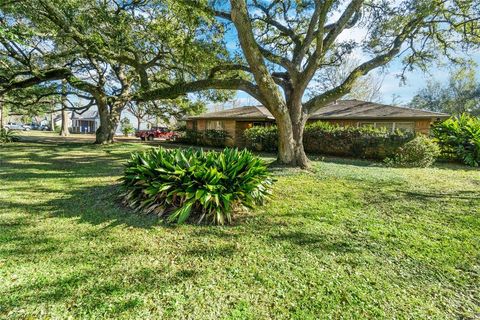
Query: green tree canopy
column 108, row 51
column 461, row 94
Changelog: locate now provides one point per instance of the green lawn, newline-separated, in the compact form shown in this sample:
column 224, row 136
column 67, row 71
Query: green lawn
column 350, row 240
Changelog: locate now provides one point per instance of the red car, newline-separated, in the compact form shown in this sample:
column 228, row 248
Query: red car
column 156, row 132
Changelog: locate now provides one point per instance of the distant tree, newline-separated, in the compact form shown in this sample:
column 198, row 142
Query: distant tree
column 396, row 100
column 126, row 126
column 461, row 94
column 139, row 111
column 166, row 110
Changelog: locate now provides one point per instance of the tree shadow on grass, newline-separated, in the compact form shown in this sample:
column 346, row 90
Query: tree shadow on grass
column 317, row 242
column 99, row 205
column 108, row 294
column 435, row 196
column 59, row 163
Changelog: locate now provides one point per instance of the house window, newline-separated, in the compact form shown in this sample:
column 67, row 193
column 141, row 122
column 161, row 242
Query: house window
column 385, row 125
column 366, row 124
column 215, row 125
column 390, row 126
column 259, row 124
column 194, row 125
column 405, row 126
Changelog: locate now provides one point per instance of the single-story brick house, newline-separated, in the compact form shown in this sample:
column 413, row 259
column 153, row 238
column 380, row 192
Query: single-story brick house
column 343, row 112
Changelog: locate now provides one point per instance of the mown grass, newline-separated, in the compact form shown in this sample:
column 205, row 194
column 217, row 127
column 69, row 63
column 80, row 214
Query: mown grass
column 350, row 240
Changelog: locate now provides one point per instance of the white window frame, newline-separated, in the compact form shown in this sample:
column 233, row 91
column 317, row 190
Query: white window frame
column 218, row 125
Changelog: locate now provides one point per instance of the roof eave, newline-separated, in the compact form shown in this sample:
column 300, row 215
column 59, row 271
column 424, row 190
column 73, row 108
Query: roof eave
column 378, row 117
column 231, row 118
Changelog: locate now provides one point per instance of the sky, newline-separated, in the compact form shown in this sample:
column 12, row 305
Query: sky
column 393, row 90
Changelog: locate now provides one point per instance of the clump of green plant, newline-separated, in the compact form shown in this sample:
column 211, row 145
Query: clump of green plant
column 195, row 185
column 7, row 136
column 420, row 152
column 459, row 137
column 126, row 127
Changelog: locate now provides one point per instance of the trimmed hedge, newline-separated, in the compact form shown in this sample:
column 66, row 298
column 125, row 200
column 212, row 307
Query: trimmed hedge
column 331, row 139
column 214, row 138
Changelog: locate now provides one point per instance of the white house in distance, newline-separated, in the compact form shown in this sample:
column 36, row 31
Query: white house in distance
column 86, row 122
column 89, row 121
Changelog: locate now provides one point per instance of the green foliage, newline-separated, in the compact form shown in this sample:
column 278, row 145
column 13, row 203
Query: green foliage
column 262, row 138
column 126, row 127
column 183, row 184
column 459, row 137
column 7, row 136
column 326, row 138
column 32, row 101
column 192, row 137
column 460, row 95
column 420, row 152
column 216, row 138
column 327, row 127
column 211, row 137
column 168, row 109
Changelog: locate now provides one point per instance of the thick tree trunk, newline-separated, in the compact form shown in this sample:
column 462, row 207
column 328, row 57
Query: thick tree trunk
column 105, row 134
column 64, row 128
column 139, row 122
column 290, row 139
column 109, row 120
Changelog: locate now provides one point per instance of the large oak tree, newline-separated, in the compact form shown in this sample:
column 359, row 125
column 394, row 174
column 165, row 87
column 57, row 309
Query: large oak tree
column 108, row 51
column 287, row 45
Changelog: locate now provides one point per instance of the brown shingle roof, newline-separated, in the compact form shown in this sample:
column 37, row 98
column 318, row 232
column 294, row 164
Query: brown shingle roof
column 356, row 109
column 242, row 113
column 343, row 109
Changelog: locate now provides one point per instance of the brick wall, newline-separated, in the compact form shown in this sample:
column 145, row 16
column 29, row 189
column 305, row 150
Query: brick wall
column 423, row 126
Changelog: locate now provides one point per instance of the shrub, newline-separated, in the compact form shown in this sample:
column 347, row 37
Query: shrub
column 459, row 138
column 419, row 152
column 183, row 184
column 216, row 138
column 7, row 136
column 262, row 138
column 326, row 138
